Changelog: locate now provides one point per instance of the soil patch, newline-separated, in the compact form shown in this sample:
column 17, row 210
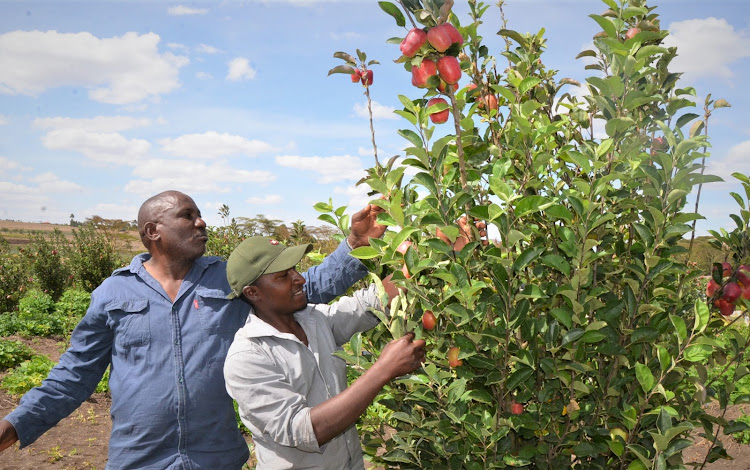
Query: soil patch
column 79, row 442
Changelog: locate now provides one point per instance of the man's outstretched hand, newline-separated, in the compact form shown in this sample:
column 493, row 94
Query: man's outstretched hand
column 365, row 226
column 8, row 435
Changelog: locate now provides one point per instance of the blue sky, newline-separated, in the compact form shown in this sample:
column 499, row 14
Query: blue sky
column 103, row 103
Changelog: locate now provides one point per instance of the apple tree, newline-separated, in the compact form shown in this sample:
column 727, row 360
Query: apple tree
column 568, row 340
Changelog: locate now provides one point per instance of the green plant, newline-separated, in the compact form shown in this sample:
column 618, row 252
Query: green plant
column 71, row 307
column 45, row 257
column 13, row 277
column 13, row 352
column 27, row 375
column 743, row 436
column 92, row 256
column 583, row 310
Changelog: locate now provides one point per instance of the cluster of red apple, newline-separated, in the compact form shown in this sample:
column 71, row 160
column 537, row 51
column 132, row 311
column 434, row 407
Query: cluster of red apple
column 737, row 285
column 439, row 67
column 364, row 75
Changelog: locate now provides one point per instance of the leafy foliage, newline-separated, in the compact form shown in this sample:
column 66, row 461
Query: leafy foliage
column 92, row 256
column 45, row 257
column 13, row 352
column 27, row 375
column 13, row 277
column 583, row 309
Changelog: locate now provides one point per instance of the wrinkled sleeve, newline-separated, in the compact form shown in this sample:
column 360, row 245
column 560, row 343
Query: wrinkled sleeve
column 71, row 381
column 330, row 279
column 351, row 314
column 267, row 400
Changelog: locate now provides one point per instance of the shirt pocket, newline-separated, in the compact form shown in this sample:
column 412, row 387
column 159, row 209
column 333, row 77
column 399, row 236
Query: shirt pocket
column 213, row 310
column 130, row 321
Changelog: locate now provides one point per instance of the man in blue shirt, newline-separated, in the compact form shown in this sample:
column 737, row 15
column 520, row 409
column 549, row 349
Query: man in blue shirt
column 164, row 325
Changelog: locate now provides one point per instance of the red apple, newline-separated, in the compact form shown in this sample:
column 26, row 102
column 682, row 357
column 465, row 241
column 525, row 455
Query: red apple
column 405, row 270
column 516, row 408
column 367, row 78
column 403, row 246
column 355, row 77
column 727, row 269
column 659, row 143
column 731, row 292
column 421, row 75
column 453, row 34
column 449, row 69
column 746, row 292
column 428, row 320
column 632, row 32
column 438, row 117
column 743, row 275
column 453, row 359
column 413, row 41
column 439, row 38
column 490, row 101
column 712, row 288
column 444, row 87
column 725, row 308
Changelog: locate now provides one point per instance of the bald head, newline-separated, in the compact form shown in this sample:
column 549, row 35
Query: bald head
column 153, row 209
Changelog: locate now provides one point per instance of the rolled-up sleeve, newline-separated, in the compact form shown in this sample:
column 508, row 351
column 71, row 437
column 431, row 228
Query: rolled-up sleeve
column 269, row 404
column 70, row 382
column 330, row 279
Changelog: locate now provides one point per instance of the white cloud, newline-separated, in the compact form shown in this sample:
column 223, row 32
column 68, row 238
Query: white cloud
column 357, row 196
column 379, row 111
column 181, row 10
column 49, row 182
column 109, row 211
column 736, row 160
column 330, row 169
column 177, row 46
column 101, row 147
column 3, row 120
column 191, row 177
column 203, row 76
column 95, row 124
column 7, row 164
column 707, row 47
column 346, row 36
column 117, row 70
column 265, row 200
column 206, row 49
column 240, row 69
column 213, row 145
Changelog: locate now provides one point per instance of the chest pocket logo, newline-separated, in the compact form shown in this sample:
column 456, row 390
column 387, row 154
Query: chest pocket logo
column 130, row 321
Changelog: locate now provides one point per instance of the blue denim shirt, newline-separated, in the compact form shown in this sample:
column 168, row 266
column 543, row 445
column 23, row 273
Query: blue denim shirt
column 170, row 408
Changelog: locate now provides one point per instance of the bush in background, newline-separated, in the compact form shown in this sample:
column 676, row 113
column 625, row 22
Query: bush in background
column 92, row 257
column 46, row 263
column 12, row 277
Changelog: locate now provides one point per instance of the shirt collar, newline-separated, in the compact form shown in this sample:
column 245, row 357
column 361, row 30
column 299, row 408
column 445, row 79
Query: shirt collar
column 255, row 327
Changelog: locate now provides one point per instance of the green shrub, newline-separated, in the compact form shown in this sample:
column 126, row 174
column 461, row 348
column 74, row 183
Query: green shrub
column 12, row 277
column 36, row 301
column 93, row 257
column 742, row 436
column 72, row 307
column 45, row 258
column 27, row 375
column 13, row 352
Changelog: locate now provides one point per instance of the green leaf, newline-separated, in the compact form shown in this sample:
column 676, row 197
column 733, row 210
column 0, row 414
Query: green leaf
column 529, row 204
column 557, row 262
column 527, row 84
column 518, row 377
column 529, row 255
column 364, row 252
column 509, row 33
column 345, row 57
column 412, row 137
column 394, row 11
column 347, row 69
column 697, row 352
column 686, row 118
column 702, row 315
column 645, row 377
column 606, row 25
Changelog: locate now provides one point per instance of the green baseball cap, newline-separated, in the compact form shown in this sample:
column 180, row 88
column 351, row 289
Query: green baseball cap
column 256, row 256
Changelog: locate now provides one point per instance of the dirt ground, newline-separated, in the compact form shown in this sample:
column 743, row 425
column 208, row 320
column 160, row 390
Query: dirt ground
column 79, row 442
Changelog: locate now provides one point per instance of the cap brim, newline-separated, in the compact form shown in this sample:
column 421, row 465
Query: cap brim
column 288, row 258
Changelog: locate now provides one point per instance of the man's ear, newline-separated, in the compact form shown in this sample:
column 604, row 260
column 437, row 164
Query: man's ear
column 251, row 293
column 151, row 231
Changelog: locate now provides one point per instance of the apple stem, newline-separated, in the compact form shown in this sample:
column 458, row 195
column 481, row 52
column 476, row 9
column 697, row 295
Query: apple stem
column 372, row 127
column 408, row 13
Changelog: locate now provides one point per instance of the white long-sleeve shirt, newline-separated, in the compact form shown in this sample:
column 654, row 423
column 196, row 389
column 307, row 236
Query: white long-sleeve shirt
column 276, row 380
